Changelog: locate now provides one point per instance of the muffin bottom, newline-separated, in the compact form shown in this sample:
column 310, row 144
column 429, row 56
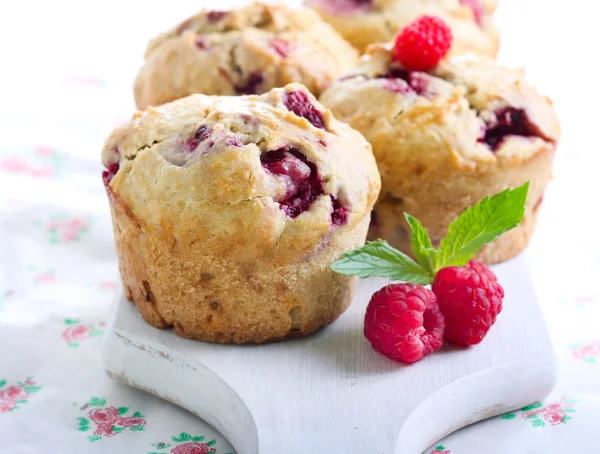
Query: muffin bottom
column 438, row 199
column 215, row 299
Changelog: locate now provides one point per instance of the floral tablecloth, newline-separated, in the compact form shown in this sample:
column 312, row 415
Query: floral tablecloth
column 66, row 82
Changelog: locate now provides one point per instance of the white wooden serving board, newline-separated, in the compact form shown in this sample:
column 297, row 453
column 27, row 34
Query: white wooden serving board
column 331, row 392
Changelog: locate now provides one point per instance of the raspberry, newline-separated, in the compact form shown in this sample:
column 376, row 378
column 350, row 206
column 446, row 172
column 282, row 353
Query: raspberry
column 281, row 47
column 423, row 43
column 470, row 299
column 404, row 323
column 509, row 121
column 412, row 81
column 303, row 184
column 234, row 141
column 339, row 213
column 477, row 9
column 201, row 43
column 340, row 7
column 215, row 16
column 109, row 173
column 250, row 87
column 298, row 102
column 201, row 134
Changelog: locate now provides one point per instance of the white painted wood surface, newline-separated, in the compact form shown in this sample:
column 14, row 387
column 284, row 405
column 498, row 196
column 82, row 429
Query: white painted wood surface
column 331, row 392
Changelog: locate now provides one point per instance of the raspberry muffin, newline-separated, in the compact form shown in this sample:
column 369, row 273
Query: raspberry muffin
column 445, row 139
column 363, row 22
column 228, row 212
column 243, row 51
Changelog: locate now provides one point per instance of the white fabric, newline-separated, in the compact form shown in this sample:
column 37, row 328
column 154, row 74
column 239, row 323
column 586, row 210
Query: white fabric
column 66, row 78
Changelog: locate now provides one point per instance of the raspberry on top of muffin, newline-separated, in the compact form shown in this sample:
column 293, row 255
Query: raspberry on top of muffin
column 364, row 22
column 248, row 50
column 445, row 138
column 228, row 212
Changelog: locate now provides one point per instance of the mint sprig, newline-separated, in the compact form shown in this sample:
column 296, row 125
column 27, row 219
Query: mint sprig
column 474, row 228
column 481, row 224
column 421, row 244
column 378, row 258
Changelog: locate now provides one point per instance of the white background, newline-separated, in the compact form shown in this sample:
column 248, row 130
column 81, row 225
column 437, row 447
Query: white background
column 43, row 43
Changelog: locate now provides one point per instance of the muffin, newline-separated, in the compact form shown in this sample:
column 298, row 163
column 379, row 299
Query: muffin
column 445, row 139
column 228, row 212
column 243, row 51
column 363, row 22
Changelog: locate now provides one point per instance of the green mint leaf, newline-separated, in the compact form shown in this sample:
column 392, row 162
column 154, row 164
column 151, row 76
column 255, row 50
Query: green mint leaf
column 122, row 410
column 421, row 244
column 378, row 258
column 2, row 383
column 481, row 224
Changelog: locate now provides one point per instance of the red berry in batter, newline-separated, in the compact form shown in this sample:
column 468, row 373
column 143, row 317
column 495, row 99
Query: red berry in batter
column 404, row 323
column 477, row 8
column 470, row 298
column 423, row 43
column 299, row 103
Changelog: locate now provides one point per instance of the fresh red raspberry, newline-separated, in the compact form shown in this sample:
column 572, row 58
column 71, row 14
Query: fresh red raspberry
column 470, row 299
column 404, row 323
column 423, row 43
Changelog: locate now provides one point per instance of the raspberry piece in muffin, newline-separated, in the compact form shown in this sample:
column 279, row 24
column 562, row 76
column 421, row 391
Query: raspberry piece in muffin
column 215, row 16
column 364, row 22
column 477, row 8
column 468, row 129
column 228, row 212
column 201, row 134
column 299, row 103
column 302, row 182
column 109, row 173
column 248, row 50
column 507, row 122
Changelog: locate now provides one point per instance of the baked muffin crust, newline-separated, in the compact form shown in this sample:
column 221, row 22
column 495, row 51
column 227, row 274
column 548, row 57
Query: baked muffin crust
column 228, row 211
column 364, row 22
column 248, row 50
column 445, row 139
